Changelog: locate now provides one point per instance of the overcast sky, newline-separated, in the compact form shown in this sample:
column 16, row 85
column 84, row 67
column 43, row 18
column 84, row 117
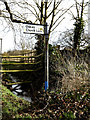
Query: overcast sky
column 7, row 36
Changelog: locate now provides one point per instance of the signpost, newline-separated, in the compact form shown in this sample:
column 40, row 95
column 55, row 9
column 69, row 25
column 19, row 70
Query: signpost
column 46, row 37
column 41, row 29
column 33, row 29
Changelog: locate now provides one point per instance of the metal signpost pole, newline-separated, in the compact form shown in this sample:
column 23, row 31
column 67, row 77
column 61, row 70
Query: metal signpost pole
column 46, row 59
column 0, row 59
column 46, row 37
column 46, row 49
column 0, row 79
column 0, row 55
column 0, row 46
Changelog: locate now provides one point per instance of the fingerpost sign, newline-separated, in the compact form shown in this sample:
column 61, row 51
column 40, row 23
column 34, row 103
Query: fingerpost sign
column 33, row 29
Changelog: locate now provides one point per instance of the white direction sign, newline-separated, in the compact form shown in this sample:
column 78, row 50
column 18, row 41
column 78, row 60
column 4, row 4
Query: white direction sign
column 33, row 29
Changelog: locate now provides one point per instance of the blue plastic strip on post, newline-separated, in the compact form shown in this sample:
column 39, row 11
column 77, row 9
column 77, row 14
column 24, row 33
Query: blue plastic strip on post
column 46, row 85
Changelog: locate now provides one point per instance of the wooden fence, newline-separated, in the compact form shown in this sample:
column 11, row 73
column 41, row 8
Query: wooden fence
column 29, row 58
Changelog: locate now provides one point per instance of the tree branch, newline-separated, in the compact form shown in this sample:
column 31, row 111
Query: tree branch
column 77, row 8
column 61, row 15
column 82, row 9
column 11, row 16
column 56, row 6
column 42, row 5
column 52, row 17
column 58, row 24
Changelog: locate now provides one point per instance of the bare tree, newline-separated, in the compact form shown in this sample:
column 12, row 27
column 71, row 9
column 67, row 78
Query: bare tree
column 65, row 39
column 33, row 11
column 79, row 24
column 41, row 12
column 76, row 37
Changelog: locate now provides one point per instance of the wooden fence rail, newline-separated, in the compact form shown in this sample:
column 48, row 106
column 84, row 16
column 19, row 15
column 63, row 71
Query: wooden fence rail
column 24, row 60
column 10, row 71
column 23, row 56
column 20, row 63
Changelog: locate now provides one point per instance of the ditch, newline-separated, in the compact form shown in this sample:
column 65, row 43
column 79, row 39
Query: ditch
column 18, row 90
